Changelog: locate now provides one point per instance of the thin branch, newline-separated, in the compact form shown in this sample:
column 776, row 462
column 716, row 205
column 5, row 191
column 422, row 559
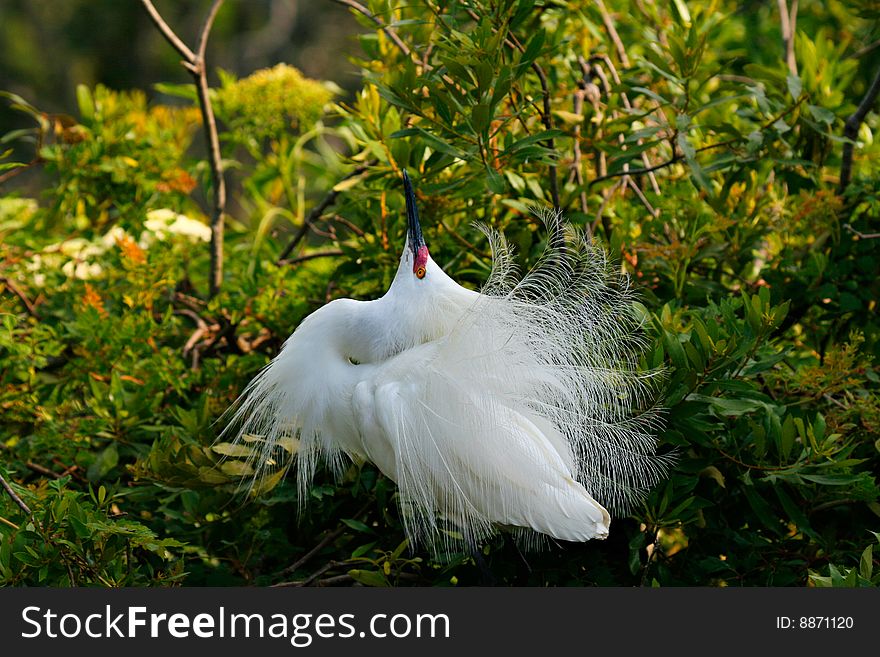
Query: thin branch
column 390, row 33
column 851, row 131
column 339, row 219
column 28, row 304
column 607, row 195
column 21, row 169
column 861, row 52
column 311, row 578
column 546, row 113
column 8, row 523
column 311, row 256
column 860, row 234
column 461, row 240
column 547, row 119
column 329, row 538
column 578, row 108
column 318, row 210
column 644, row 199
column 299, row 563
column 336, row 579
column 206, row 30
column 168, row 33
column 788, row 25
column 194, row 62
column 676, row 157
column 626, row 103
column 40, row 469
column 831, row 505
column 15, row 498
column 612, row 32
column 637, row 172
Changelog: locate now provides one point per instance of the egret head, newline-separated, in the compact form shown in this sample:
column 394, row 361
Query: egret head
column 415, row 241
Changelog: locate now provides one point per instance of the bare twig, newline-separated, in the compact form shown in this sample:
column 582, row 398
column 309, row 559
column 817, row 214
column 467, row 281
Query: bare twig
column 676, row 157
column 626, row 103
column 600, row 215
column 390, row 33
column 194, row 62
column 788, row 25
column 8, row 523
column 851, row 131
column 641, row 195
column 12, row 287
column 578, row 108
column 336, row 579
column 546, row 112
column 15, row 498
column 612, row 32
column 637, row 172
column 465, row 243
column 547, row 119
column 43, row 470
column 315, row 575
column 329, row 538
column 318, row 210
column 168, row 33
column 339, row 219
column 194, row 316
column 861, row 52
column 311, row 256
column 860, row 234
column 17, row 170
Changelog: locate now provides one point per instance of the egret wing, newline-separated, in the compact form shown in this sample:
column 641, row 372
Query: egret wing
column 460, row 451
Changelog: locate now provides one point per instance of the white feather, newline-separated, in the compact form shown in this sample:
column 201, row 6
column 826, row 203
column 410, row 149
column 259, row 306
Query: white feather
column 521, row 405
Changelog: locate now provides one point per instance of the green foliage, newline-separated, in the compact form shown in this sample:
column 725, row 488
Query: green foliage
column 270, row 101
column 693, row 153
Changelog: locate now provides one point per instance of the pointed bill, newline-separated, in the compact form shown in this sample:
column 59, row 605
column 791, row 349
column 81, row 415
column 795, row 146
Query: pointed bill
column 413, row 227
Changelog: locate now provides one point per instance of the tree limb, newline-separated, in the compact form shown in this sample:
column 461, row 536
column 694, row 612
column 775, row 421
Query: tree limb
column 28, row 304
column 317, row 211
column 168, row 33
column 391, row 34
column 788, row 25
column 15, row 498
column 612, row 32
column 311, row 256
column 194, row 62
column 546, row 115
column 851, row 131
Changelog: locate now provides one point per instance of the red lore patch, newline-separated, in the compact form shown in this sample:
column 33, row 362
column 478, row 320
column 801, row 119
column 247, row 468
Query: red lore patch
column 420, row 262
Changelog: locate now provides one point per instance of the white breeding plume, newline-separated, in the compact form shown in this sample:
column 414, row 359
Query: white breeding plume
column 521, row 405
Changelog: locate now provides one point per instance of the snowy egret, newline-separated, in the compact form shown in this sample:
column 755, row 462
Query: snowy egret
column 521, row 405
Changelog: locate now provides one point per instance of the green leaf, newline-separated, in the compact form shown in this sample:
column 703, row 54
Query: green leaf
column 728, row 407
column 85, row 102
column 866, row 563
column 795, row 88
column 794, row 513
column 681, row 13
column 104, row 463
column 369, row 577
column 761, row 508
column 232, row 449
column 357, row 525
column 822, row 115
column 531, row 52
column 480, row 117
column 431, row 140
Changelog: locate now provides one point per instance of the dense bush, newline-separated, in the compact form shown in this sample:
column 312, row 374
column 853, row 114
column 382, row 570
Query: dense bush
column 677, row 133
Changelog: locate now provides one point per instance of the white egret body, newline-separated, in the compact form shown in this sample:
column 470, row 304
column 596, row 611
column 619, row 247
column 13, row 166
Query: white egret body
column 518, row 406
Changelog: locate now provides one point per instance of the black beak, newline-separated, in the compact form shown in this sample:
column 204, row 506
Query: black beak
column 413, row 228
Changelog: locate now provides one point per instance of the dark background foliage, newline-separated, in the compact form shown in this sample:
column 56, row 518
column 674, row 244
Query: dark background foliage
column 682, row 135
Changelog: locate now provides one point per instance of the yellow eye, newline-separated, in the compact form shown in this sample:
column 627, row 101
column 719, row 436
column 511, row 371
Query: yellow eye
column 420, row 272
